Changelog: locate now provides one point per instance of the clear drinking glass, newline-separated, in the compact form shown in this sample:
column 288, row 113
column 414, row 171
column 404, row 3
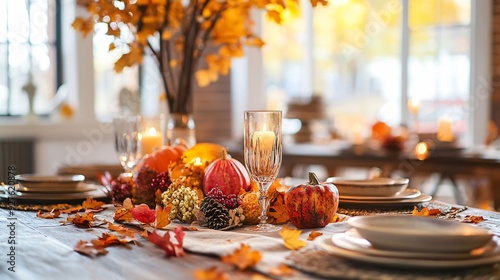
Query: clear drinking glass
column 127, row 141
column 262, row 150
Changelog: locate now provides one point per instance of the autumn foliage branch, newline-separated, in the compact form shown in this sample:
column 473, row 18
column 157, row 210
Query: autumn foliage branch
column 178, row 32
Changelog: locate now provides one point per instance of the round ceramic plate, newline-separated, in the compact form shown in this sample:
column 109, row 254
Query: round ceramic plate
column 406, row 194
column 97, row 192
column 369, row 187
column 81, row 187
column 386, row 203
column 420, row 234
column 350, row 240
column 44, row 182
column 414, row 263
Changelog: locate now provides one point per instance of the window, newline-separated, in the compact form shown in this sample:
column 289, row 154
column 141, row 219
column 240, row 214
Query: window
column 29, row 52
column 366, row 58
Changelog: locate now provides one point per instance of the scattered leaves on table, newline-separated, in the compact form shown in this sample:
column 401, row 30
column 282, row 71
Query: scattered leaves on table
column 313, row 234
column 211, row 273
column 164, row 242
column 291, row 238
column 282, row 270
column 86, row 248
column 425, row 212
column 48, row 215
column 143, row 214
column 162, row 214
column 472, row 219
column 243, row 257
column 122, row 230
column 91, row 204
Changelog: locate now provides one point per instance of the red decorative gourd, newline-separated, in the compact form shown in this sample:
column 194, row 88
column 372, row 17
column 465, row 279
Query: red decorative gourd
column 312, row 205
column 227, row 174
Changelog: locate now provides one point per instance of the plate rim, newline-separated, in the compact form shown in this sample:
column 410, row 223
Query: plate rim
column 42, row 178
column 378, row 182
column 416, row 193
column 419, row 199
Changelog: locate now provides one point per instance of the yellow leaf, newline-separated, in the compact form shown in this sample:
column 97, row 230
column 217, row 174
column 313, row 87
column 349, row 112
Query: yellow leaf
column 243, row 257
column 291, row 238
column 162, row 214
column 424, row 212
column 336, row 219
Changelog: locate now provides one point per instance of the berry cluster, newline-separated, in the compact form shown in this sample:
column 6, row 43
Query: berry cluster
column 161, row 182
column 231, row 201
column 122, row 188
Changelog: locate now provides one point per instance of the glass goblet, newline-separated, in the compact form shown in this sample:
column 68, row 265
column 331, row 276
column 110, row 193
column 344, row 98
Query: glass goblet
column 126, row 130
column 262, row 151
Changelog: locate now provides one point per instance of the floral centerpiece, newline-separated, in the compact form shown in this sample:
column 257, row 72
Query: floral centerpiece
column 177, row 33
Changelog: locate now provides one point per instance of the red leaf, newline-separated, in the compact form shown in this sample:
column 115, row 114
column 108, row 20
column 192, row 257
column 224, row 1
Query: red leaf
column 143, row 214
column 166, row 244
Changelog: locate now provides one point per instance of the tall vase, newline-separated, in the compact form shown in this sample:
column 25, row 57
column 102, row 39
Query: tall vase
column 181, row 128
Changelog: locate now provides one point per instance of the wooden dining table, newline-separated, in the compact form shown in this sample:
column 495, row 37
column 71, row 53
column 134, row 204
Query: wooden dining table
column 36, row 248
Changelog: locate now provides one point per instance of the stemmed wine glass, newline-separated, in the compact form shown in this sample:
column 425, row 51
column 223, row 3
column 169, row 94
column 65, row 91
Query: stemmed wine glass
column 127, row 140
column 262, row 150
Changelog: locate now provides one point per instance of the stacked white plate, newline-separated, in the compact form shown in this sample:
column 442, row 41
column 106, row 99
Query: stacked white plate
column 414, row 242
column 377, row 192
column 35, row 187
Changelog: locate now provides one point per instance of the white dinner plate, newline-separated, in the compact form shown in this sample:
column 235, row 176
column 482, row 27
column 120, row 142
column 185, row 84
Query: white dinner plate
column 413, row 263
column 420, row 234
column 386, row 203
column 81, row 187
column 408, row 193
column 44, row 182
column 351, row 240
column 369, row 187
column 97, row 192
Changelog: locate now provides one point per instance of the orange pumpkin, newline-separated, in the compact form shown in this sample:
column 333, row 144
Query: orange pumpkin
column 160, row 160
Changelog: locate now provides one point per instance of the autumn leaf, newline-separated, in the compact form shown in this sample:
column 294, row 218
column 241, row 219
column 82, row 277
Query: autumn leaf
column 108, row 239
column 48, row 215
column 424, row 212
column 277, row 212
column 84, row 220
column 72, row 210
column 122, row 230
column 162, row 214
column 435, row 212
column 122, row 214
column 211, row 273
column 291, row 238
column 92, row 204
column 282, row 270
column 473, row 219
column 243, row 257
column 314, row 3
column 164, row 242
column 86, row 248
column 337, row 219
column 190, row 228
column 143, row 214
column 314, row 234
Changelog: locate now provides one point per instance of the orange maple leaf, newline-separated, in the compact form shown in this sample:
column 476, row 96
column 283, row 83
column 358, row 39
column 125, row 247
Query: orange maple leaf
column 314, row 234
column 85, row 219
column 277, row 212
column 162, row 214
column 90, row 203
column 86, row 248
column 48, row 215
column 211, row 273
column 72, row 209
column 123, row 213
column 122, row 230
column 291, row 238
column 108, row 239
column 243, row 257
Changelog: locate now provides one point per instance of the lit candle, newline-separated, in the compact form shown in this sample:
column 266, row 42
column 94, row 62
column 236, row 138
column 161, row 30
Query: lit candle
column 445, row 131
column 151, row 141
column 421, row 151
column 263, row 140
column 197, row 164
column 413, row 105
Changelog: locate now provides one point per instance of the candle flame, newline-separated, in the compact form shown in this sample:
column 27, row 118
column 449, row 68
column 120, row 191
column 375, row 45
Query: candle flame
column 197, row 161
column 152, row 131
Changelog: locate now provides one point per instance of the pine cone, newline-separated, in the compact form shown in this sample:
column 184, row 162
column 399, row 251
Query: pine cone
column 216, row 214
